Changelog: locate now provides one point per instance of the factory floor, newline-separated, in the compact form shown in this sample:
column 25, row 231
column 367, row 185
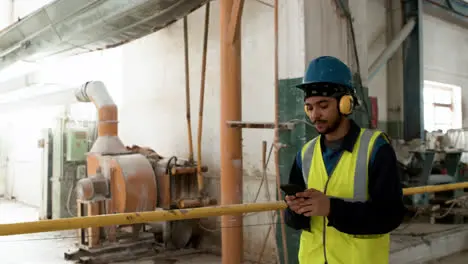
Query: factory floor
column 50, row 247
column 461, row 258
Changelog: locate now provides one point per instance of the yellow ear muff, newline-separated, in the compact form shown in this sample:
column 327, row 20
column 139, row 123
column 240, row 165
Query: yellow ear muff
column 306, row 110
column 346, row 104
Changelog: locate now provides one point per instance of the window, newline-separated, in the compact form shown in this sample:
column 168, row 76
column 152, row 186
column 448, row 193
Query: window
column 442, row 106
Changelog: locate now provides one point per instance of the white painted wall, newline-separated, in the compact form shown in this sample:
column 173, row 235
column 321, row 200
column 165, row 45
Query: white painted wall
column 6, row 13
column 23, row 8
column 326, row 31
column 21, row 132
column 446, row 56
column 376, row 43
column 6, row 17
column 154, row 84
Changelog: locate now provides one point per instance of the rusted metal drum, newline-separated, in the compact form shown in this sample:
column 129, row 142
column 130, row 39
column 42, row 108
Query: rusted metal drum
column 133, row 184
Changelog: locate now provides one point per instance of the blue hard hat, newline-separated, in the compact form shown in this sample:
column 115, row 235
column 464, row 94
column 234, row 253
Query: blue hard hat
column 327, row 71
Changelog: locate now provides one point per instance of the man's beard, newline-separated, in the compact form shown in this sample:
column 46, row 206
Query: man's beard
column 332, row 127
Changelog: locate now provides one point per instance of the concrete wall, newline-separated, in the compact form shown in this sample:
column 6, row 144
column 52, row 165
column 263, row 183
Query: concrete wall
column 6, row 18
column 376, row 43
column 6, row 13
column 11, row 10
column 446, row 56
column 22, row 8
column 21, row 157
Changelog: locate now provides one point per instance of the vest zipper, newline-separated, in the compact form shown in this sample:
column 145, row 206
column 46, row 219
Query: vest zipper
column 324, row 232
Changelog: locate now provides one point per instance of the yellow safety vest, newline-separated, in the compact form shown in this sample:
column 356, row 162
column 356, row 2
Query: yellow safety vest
column 324, row 244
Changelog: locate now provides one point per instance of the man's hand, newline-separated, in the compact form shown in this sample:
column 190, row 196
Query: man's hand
column 294, row 203
column 313, row 203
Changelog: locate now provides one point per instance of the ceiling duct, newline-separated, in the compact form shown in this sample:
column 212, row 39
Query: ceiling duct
column 69, row 27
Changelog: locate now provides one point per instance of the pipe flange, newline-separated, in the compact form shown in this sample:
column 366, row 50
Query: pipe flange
column 81, row 93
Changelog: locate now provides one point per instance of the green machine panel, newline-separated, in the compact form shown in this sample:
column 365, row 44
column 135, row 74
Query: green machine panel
column 77, row 144
column 291, row 107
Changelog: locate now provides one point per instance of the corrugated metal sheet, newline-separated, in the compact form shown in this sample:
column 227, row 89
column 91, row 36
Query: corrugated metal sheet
column 68, row 27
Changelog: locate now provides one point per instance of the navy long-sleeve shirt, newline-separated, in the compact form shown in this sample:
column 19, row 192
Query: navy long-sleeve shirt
column 382, row 213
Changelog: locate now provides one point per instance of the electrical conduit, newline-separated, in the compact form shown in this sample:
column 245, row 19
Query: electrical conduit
column 202, row 100
column 187, row 90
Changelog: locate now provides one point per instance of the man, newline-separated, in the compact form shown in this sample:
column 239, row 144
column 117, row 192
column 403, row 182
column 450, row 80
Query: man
column 353, row 195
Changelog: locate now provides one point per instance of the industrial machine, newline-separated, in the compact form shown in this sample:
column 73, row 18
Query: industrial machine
column 122, row 179
column 63, row 164
column 431, row 162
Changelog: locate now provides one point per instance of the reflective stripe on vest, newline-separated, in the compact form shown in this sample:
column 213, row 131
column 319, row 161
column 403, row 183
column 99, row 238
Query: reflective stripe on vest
column 360, row 173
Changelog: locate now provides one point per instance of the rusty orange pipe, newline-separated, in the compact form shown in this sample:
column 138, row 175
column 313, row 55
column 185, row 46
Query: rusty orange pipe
column 107, row 116
column 230, row 138
column 187, row 170
column 202, row 101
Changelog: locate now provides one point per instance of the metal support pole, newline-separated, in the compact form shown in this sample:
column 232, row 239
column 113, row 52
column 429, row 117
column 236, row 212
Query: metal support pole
column 413, row 74
column 388, row 52
column 231, row 138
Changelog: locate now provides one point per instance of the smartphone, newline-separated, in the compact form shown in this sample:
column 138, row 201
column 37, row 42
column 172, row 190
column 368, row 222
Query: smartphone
column 291, row 189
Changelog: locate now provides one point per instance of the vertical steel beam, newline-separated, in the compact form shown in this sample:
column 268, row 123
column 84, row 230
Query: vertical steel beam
column 413, row 108
column 231, row 138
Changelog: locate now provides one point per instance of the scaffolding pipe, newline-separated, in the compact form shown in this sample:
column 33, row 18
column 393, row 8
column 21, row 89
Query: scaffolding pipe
column 172, row 215
column 202, row 101
column 231, row 138
column 392, row 48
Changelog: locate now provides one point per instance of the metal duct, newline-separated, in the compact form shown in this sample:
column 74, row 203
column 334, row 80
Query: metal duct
column 96, row 92
column 69, row 27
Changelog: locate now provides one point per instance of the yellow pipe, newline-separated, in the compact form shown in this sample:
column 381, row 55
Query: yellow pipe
column 434, row 188
column 135, row 218
column 171, row 215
